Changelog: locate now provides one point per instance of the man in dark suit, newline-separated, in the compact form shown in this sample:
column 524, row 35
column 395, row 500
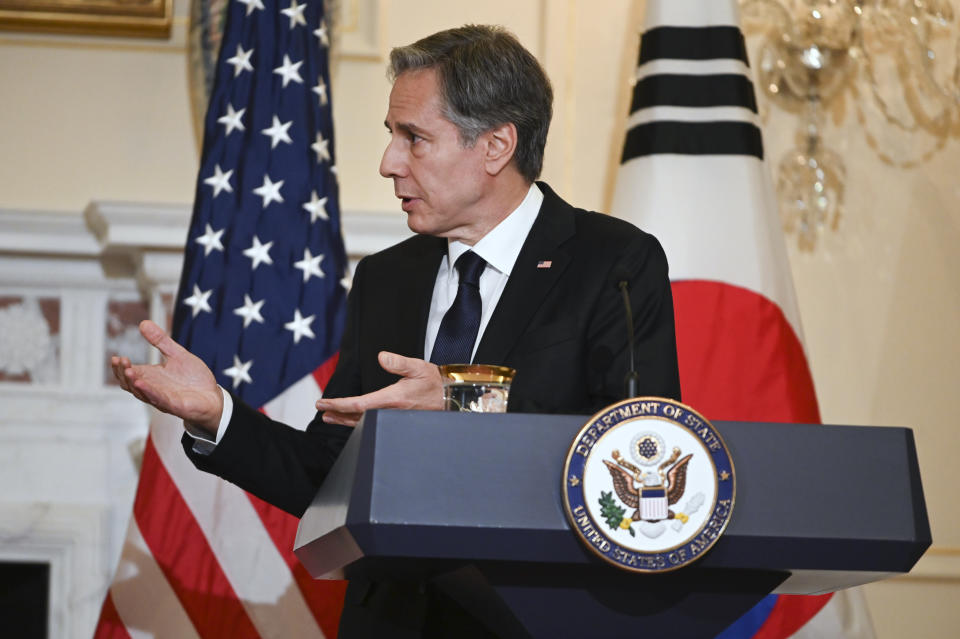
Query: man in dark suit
column 502, row 271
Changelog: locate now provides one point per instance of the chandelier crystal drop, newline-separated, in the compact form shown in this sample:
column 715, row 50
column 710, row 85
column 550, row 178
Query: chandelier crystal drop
column 895, row 60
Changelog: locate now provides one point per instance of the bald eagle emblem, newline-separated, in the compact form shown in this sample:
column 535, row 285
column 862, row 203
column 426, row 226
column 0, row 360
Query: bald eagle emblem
column 650, row 492
column 648, row 485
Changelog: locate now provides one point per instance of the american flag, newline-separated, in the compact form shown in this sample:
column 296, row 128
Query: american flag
column 262, row 300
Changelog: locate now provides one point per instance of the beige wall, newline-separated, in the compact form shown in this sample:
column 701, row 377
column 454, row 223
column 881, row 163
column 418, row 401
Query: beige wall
column 85, row 118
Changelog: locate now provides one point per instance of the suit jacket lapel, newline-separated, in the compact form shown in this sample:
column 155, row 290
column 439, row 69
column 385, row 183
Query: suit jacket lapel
column 529, row 280
column 414, row 283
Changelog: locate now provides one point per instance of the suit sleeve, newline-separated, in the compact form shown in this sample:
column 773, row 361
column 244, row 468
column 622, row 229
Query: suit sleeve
column 279, row 464
column 345, row 381
column 282, row 465
column 654, row 329
column 653, row 323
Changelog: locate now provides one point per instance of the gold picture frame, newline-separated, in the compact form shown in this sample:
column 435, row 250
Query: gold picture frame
column 134, row 18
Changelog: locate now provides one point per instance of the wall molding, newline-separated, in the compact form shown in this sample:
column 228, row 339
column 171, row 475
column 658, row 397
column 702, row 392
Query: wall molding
column 126, row 226
column 937, row 564
column 56, row 233
column 128, row 246
column 123, row 227
column 359, row 35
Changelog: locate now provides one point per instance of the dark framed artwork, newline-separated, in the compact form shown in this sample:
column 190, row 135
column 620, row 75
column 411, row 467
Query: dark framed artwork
column 137, row 18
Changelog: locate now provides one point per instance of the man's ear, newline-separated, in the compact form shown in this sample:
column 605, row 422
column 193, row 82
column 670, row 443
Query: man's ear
column 500, row 145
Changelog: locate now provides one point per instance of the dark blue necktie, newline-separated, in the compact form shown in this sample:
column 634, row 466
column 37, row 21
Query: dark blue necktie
column 459, row 328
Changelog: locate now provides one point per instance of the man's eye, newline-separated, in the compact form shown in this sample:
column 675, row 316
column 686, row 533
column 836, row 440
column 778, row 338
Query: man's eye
column 414, row 138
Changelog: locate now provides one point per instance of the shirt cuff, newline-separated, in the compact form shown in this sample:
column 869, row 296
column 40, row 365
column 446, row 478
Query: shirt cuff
column 202, row 443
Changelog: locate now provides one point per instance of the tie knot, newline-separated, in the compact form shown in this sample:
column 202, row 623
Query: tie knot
column 470, row 266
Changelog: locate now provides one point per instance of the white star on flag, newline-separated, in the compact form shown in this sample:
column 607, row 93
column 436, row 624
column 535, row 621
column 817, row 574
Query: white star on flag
column 321, row 33
column 251, row 5
column 198, row 301
column 289, row 71
column 321, row 90
column 232, row 120
column 239, row 372
column 210, row 240
column 250, row 311
column 317, row 207
column 259, row 253
column 220, row 181
column 310, row 265
column 300, row 326
column 320, row 148
column 241, row 61
column 269, row 191
column 277, row 132
column 295, row 13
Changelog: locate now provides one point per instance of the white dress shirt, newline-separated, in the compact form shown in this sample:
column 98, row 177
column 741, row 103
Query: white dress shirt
column 500, row 248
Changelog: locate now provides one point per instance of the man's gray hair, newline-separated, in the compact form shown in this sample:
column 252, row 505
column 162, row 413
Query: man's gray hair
column 486, row 79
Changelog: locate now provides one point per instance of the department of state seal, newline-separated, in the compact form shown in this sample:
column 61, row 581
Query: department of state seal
column 648, row 484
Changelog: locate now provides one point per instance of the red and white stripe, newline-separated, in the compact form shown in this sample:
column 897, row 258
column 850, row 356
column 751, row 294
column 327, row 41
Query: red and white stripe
column 203, row 558
column 739, row 339
column 653, row 509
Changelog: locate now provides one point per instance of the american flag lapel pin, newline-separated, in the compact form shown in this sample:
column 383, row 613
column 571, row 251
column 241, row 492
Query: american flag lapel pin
column 544, row 263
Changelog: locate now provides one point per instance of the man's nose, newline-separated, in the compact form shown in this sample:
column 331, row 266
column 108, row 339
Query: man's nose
column 392, row 164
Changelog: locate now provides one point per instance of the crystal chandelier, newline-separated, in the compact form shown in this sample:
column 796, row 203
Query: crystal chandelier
column 895, row 60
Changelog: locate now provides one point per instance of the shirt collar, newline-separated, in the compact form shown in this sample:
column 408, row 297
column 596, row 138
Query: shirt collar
column 501, row 245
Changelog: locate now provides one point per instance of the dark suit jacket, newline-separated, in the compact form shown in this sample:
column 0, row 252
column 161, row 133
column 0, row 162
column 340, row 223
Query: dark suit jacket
column 562, row 327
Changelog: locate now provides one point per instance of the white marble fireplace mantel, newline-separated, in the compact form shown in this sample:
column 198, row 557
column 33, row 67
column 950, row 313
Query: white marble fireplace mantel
column 72, row 290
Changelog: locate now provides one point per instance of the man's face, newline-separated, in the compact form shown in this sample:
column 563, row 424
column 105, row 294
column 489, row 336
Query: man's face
column 438, row 180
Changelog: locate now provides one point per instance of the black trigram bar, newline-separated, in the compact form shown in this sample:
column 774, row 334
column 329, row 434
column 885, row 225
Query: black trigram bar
column 693, row 43
column 693, row 138
column 730, row 89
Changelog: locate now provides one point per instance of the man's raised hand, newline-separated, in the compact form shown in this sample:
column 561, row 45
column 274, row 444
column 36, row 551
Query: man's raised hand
column 181, row 385
column 421, row 388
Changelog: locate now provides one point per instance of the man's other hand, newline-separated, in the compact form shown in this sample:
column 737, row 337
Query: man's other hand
column 182, row 385
column 420, row 389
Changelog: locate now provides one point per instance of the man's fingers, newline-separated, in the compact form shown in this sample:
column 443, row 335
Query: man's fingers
column 419, row 388
column 126, row 376
column 139, row 394
column 126, row 382
column 389, row 397
column 356, row 404
column 117, row 369
column 131, row 375
column 163, row 342
column 403, row 366
column 120, row 372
